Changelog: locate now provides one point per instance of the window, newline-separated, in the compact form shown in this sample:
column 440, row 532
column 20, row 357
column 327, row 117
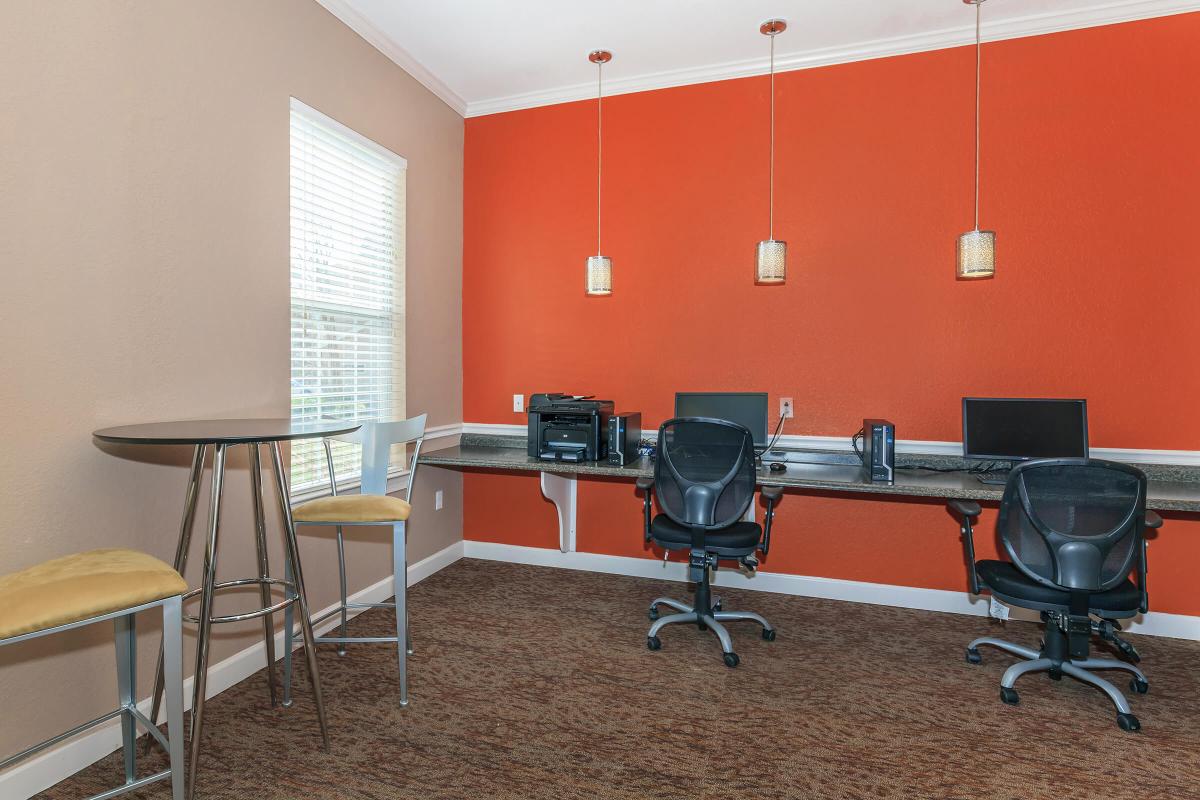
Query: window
column 347, row 279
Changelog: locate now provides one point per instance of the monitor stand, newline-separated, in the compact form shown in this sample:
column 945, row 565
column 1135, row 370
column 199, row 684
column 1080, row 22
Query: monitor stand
column 995, row 477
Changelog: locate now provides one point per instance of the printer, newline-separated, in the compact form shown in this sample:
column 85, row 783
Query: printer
column 566, row 427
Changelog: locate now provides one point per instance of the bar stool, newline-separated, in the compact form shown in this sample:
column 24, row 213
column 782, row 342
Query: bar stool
column 372, row 506
column 96, row 586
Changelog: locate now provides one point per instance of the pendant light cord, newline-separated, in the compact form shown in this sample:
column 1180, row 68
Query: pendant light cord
column 599, row 144
column 978, row 70
column 771, row 191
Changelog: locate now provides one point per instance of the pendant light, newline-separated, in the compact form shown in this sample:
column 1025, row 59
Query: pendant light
column 599, row 267
column 771, row 262
column 976, row 248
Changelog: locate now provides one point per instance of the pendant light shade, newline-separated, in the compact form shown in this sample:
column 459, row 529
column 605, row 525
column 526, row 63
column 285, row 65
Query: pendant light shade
column 771, row 255
column 599, row 275
column 771, row 262
column 599, row 267
column 977, row 254
column 976, row 248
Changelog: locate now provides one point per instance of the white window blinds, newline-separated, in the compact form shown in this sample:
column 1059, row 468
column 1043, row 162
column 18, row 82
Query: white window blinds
column 347, row 284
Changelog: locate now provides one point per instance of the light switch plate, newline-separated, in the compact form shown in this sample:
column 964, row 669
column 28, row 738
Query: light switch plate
column 438, row 500
column 518, row 403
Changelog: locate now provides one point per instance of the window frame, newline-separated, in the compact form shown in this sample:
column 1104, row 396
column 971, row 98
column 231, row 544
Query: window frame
column 349, row 477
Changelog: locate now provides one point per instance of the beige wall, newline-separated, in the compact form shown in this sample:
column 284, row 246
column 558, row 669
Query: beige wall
column 143, row 244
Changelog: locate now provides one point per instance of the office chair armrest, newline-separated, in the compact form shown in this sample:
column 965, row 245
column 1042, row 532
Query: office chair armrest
column 967, row 511
column 647, row 486
column 772, row 494
column 1153, row 522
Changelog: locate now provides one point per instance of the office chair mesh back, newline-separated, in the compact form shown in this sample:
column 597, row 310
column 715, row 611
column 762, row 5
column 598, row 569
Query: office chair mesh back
column 1074, row 523
column 704, row 473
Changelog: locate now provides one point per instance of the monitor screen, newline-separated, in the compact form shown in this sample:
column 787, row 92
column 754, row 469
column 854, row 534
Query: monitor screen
column 1021, row 429
column 745, row 408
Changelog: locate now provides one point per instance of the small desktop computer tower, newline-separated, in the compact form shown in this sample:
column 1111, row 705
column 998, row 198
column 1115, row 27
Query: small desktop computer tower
column 879, row 450
column 624, row 433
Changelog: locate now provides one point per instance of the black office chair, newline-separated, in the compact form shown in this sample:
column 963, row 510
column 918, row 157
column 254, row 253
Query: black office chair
column 704, row 476
column 1074, row 529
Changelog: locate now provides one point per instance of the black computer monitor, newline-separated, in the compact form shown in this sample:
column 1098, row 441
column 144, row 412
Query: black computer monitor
column 745, row 408
column 1017, row 429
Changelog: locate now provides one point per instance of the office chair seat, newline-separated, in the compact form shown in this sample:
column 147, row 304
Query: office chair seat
column 739, row 539
column 1008, row 582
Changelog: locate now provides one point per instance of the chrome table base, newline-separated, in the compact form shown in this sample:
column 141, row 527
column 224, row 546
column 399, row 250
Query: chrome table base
column 293, row 585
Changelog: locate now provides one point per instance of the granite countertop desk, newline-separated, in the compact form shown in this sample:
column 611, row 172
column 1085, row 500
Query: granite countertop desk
column 1170, row 488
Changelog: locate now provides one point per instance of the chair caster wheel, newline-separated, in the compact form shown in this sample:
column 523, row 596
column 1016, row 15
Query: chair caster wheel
column 653, row 615
column 701, row 626
column 717, row 606
column 973, row 656
column 731, row 659
column 653, row 642
column 1054, row 674
column 768, row 634
column 1128, row 722
column 1140, row 686
column 1009, row 696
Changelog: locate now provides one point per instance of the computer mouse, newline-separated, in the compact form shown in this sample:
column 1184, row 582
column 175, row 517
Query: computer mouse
column 778, row 466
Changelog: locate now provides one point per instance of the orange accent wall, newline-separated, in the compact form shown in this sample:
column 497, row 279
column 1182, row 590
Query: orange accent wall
column 1090, row 176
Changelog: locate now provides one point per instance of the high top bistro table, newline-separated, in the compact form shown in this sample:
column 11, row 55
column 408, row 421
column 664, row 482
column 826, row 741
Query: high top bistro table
column 220, row 435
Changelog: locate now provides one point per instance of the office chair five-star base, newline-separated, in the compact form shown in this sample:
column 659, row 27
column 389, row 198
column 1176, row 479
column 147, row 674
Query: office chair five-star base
column 1055, row 660
column 704, row 619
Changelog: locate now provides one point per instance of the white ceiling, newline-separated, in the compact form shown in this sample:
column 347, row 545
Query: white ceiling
column 484, row 56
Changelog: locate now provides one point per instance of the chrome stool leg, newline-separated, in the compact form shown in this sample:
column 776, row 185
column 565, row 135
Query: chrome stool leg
column 341, row 551
column 400, row 585
column 172, row 646
column 191, row 495
column 289, row 632
column 126, row 641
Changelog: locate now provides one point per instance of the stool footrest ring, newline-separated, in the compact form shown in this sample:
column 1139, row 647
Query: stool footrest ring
column 262, row 612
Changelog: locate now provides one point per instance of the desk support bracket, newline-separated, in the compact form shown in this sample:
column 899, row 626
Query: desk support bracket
column 562, row 490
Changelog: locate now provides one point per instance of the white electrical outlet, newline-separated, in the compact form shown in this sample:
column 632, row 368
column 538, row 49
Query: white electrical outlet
column 438, row 500
column 785, row 408
column 518, row 402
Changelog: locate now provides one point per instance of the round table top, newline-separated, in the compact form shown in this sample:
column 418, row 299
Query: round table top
column 223, row 431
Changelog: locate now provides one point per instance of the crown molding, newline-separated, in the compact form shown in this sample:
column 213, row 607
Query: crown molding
column 1018, row 27
column 398, row 55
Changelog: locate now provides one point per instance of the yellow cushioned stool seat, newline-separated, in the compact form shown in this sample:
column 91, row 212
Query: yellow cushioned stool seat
column 81, row 586
column 353, row 508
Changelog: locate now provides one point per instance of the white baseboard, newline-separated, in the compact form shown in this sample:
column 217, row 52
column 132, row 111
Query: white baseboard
column 47, row 769
column 1177, row 626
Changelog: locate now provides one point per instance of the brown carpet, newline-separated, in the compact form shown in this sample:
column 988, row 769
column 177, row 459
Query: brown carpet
column 531, row 682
